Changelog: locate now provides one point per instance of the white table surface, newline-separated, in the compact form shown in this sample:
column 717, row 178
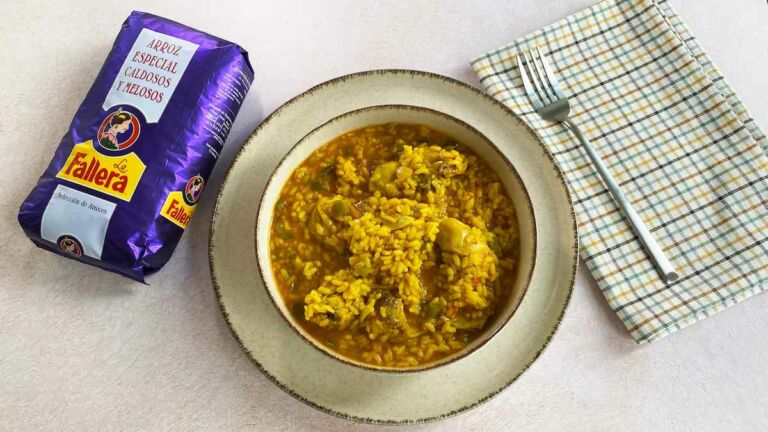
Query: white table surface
column 82, row 349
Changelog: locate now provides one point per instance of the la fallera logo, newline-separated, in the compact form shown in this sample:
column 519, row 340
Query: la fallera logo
column 70, row 245
column 118, row 131
column 179, row 205
column 116, row 175
column 193, row 189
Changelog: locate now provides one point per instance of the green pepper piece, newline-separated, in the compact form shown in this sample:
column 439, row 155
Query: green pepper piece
column 284, row 233
column 462, row 323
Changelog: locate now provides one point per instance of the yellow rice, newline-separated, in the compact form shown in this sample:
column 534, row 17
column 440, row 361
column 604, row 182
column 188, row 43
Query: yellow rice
column 395, row 265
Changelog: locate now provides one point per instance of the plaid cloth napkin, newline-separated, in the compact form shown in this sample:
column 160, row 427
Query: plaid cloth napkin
column 677, row 139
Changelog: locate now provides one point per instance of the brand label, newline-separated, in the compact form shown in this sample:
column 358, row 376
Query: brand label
column 76, row 222
column 116, row 176
column 177, row 210
column 150, row 73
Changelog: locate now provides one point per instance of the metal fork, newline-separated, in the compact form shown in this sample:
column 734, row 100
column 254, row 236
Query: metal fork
column 546, row 96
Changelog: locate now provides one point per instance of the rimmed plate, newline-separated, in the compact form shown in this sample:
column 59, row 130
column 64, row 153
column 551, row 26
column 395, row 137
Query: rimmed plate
column 354, row 393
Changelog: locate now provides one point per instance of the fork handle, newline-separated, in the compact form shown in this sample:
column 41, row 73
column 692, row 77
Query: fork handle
column 668, row 273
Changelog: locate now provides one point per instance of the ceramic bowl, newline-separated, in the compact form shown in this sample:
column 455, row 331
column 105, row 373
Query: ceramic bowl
column 332, row 386
column 439, row 121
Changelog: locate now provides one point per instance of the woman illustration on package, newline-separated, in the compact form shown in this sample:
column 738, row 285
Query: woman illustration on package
column 193, row 189
column 119, row 123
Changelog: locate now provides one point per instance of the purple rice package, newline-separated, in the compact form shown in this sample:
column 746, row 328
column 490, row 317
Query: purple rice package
column 127, row 176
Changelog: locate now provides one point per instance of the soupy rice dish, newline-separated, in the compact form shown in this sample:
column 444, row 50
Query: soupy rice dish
column 394, row 244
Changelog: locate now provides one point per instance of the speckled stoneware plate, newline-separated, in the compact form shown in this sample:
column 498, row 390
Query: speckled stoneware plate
column 352, row 392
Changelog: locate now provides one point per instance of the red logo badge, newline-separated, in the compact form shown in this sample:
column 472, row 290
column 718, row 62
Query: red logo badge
column 193, row 189
column 70, row 245
column 118, row 131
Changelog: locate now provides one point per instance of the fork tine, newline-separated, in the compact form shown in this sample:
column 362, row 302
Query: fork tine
column 527, row 83
column 544, row 88
column 551, row 77
column 536, row 78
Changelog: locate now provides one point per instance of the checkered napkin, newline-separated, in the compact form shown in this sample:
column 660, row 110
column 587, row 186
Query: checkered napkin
column 677, row 139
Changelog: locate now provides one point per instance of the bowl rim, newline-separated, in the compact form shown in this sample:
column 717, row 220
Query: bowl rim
column 459, row 355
